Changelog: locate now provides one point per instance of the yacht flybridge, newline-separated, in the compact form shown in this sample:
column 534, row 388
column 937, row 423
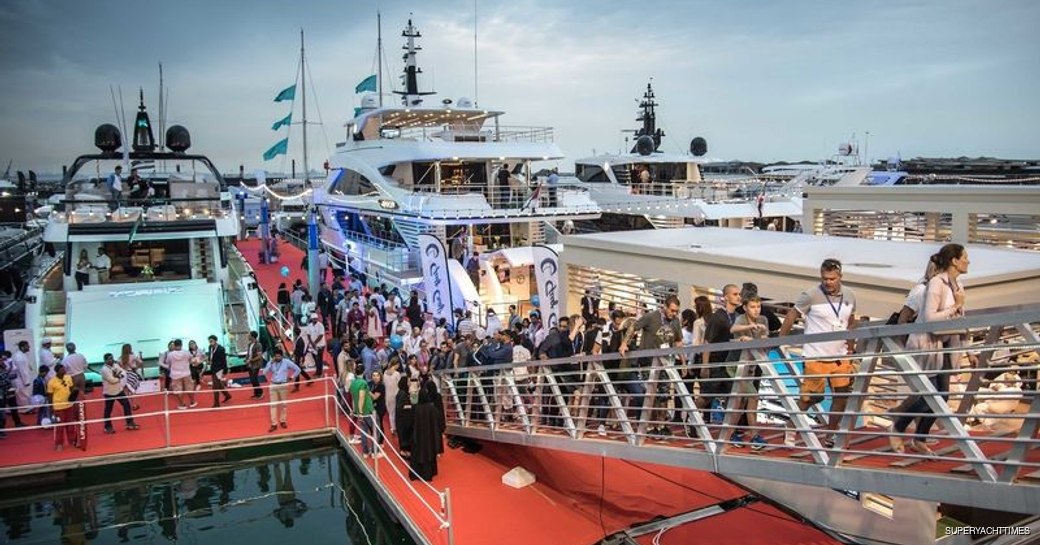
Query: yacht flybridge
column 452, row 170
column 148, row 264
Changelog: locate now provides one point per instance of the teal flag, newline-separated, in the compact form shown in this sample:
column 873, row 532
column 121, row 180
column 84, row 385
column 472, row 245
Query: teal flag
column 367, row 84
column 289, row 93
column 281, row 148
column 285, row 121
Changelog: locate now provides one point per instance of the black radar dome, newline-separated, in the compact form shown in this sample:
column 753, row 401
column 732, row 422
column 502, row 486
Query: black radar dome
column 645, row 145
column 698, row 146
column 107, row 138
column 177, row 138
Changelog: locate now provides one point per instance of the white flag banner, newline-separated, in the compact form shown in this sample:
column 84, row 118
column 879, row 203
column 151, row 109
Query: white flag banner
column 547, row 274
column 436, row 278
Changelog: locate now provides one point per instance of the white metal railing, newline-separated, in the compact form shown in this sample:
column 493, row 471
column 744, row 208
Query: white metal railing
column 515, row 133
column 714, row 190
column 699, row 413
column 330, row 397
column 382, row 445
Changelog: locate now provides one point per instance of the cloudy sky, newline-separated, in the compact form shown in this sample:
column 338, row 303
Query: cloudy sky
column 761, row 80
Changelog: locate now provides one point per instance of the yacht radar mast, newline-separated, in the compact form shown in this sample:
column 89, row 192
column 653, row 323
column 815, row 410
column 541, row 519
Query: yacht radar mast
column 143, row 138
column 649, row 118
column 411, row 96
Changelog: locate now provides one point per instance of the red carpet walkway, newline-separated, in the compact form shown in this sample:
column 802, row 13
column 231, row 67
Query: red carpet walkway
column 577, row 500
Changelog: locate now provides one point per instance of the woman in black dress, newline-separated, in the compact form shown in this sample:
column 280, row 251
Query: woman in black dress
column 426, row 440
column 405, row 414
column 414, row 311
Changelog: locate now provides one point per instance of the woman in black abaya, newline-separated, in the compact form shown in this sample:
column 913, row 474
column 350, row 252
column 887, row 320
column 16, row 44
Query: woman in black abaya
column 405, row 414
column 426, row 441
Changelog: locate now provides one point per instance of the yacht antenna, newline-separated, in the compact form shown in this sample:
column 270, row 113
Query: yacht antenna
column 411, row 96
column 476, row 93
column 379, row 54
column 649, row 117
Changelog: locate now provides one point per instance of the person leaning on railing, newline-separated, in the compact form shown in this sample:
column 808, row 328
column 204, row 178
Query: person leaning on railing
column 943, row 300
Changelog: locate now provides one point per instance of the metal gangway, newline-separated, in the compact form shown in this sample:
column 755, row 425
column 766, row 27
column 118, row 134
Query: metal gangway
column 594, row 405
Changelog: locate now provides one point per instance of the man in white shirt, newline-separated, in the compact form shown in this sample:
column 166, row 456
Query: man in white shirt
column 75, row 367
column 115, row 186
column 24, row 373
column 103, row 264
column 314, row 338
column 413, row 343
column 179, row 361
column 45, row 356
column 494, row 324
column 113, row 380
column 466, row 325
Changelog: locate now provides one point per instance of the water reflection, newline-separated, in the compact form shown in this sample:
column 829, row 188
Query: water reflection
column 303, row 499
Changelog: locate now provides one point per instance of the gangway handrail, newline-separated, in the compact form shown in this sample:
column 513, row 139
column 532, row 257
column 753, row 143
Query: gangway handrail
column 977, row 318
column 329, row 393
column 562, row 396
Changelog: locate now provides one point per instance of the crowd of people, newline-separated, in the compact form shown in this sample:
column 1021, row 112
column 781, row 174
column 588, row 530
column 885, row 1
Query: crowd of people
column 383, row 350
column 419, row 344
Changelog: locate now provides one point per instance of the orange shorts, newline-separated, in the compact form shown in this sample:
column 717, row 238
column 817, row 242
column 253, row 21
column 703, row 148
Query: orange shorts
column 815, row 386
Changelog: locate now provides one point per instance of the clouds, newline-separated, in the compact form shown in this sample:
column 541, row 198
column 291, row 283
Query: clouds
column 761, row 80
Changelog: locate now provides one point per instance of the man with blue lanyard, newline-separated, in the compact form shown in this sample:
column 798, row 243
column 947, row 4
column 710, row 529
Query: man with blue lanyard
column 280, row 372
column 825, row 307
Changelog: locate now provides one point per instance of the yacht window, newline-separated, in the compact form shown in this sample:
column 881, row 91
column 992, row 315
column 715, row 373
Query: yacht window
column 425, row 172
column 167, row 259
column 591, row 174
column 352, row 182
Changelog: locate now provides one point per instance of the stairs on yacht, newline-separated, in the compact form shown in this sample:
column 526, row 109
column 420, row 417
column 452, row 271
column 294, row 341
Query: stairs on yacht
column 665, row 222
column 202, row 259
column 54, row 327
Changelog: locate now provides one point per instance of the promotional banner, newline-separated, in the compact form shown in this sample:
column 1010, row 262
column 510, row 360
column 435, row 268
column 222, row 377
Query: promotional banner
column 436, row 277
column 547, row 274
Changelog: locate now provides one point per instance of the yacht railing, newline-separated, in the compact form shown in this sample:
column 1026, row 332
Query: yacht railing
column 100, row 210
column 393, row 256
column 712, row 191
column 434, row 524
column 668, row 406
column 474, row 132
column 513, row 197
column 537, row 135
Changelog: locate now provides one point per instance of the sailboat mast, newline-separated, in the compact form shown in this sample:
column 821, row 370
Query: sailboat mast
column 162, row 113
column 303, row 89
column 379, row 54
